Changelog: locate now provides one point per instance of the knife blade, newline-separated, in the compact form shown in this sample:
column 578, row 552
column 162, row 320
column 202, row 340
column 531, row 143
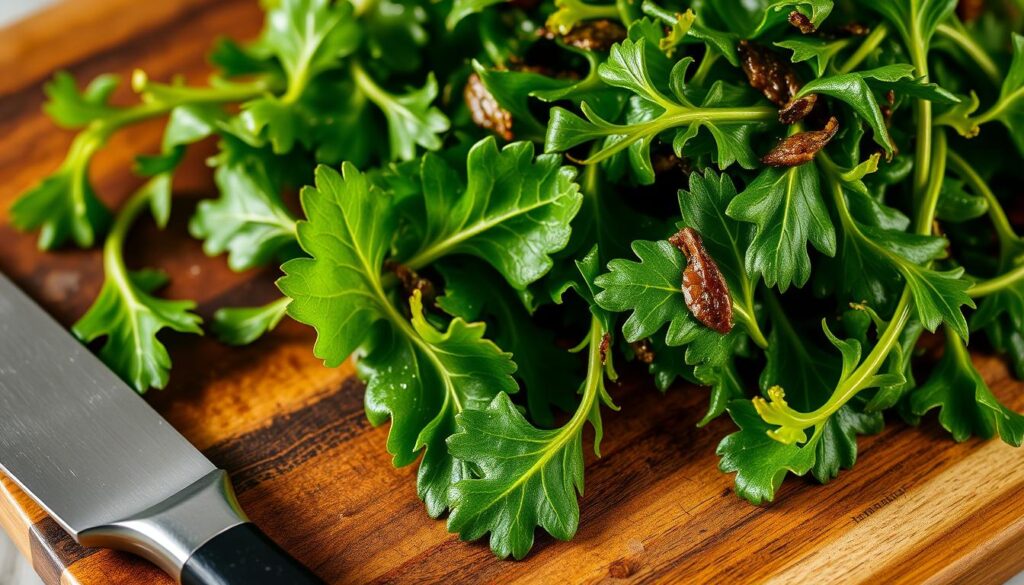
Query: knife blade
column 109, row 469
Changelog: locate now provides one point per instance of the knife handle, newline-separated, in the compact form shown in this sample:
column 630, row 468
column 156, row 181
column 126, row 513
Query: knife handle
column 243, row 555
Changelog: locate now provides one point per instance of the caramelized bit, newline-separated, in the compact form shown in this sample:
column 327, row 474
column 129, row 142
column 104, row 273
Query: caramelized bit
column 854, row 29
column 704, row 287
column 485, row 110
column 799, row 20
column 773, row 75
column 411, row 281
column 801, row 148
column 797, row 109
column 769, row 73
column 642, row 350
column 592, row 35
column 970, row 10
column 605, row 342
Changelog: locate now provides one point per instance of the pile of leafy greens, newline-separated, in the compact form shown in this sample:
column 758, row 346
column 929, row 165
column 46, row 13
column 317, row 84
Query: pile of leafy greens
column 774, row 199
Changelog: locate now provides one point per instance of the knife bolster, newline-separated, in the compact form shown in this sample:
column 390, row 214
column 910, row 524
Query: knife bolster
column 170, row 532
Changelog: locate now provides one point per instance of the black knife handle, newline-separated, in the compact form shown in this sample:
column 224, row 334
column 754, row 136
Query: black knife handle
column 243, row 555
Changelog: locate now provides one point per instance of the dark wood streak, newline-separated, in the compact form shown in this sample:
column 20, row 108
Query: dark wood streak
column 292, row 439
column 53, row 550
column 14, row 103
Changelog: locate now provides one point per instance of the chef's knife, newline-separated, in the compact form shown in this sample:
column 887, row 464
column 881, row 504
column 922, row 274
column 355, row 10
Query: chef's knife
column 110, row 470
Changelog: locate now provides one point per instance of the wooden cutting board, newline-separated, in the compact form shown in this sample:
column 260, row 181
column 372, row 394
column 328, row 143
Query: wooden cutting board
column 313, row 473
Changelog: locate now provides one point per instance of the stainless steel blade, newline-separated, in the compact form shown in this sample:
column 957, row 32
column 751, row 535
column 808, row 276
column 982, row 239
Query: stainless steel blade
column 73, row 435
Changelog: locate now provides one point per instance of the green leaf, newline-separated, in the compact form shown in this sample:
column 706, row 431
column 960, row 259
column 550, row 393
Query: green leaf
column 529, row 478
column 347, row 233
column 342, row 125
column 703, row 208
column 726, row 114
column 875, row 254
column 669, row 364
column 524, row 477
column 545, row 369
column 395, row 34
column 127, row 314
column 62, row 206
column 236, row 60
column 1001, row 313
column 956, row 205
column 786, row 206
column 186, row 125
column 854, row 89
column 915, row 20
column 418, row 377
column 966, row 404
column 272, row 119
column 572, row 12
column 651, row 291
column 808, row 374
column 412, row 120
column 822, row 51
column 130, row 317
column 421, row 378
column 513, row 211
column 69, row 108
column 760, row 462
column 1009, row 109
column 309, row 37
column 750, row 19
column 248, row 221
column 244, row 325
column 513, row 89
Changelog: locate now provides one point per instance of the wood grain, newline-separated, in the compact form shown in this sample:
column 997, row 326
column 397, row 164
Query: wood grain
column 313, row 473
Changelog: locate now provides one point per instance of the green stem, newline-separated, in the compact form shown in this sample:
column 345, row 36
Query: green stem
column 113, row 256
column 1004, row 231
column 710, row 57
column 381, row 98
column 571, row 429
column 998, row 283
column 999, row 107
column 870, row 43
column 923, row 113
column 973, row 50
column 676, row 116
column 653, row 10
column 750, row 322
column 90, row 140
column 926, row 213
column 862, row 377
column 175, row 95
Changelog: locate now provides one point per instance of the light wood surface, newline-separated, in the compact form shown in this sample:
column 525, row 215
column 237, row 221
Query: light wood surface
column 314, row 474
